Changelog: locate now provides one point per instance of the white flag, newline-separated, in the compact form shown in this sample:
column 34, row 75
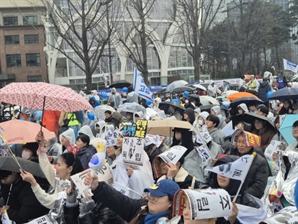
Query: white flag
column 140, row 87
column 290, row 66
column 235, row 170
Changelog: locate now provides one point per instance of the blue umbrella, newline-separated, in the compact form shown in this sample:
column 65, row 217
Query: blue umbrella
column 286, row 127
column 284, row 94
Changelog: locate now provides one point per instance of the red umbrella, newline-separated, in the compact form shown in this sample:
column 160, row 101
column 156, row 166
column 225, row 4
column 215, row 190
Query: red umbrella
column 40, row 95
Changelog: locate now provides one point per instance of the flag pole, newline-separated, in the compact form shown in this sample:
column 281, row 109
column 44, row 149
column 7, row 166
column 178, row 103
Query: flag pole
column 242, row 181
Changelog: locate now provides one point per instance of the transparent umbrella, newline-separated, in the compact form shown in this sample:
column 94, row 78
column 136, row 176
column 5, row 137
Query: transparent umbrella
column 176, row 84
column 131, row 107
column 99, row 111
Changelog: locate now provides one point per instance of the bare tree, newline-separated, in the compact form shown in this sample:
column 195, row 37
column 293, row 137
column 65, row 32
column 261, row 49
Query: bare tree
column 85, row 27
column 136, row 37
column 193, row 19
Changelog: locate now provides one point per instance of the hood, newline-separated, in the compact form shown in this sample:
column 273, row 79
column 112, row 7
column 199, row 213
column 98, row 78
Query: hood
column 157, row 101
column 52, row 141
column 234, row 184
column 217, row 110
column 243, row 107
column 70, row 135
column 132, row 97
column 140, row 114
column 117, row 116
column 264, row 84
column 198, row 110
column 87, row 131
column 191, row 114
column 204, row 115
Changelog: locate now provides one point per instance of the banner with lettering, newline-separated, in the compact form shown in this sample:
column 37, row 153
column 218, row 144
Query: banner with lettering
column 132, row 150
column 250, row 139
column 173, row 155
column 203, row 203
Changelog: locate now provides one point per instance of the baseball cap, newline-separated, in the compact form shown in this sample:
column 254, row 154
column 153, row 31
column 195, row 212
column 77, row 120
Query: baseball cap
column 163, row 188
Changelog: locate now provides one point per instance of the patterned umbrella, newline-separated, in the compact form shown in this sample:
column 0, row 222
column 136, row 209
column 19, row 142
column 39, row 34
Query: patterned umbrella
column 40, row 95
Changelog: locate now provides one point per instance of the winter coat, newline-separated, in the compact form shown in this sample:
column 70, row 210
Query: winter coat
column 182, row 178
column 99, row 214
column 177, row 115
column 118, row 118
column 217, row 136
column 128, row 209
column 258, row 174
column 264, row 88
column 222, row 122
column 23, row 205
column 266, row 134
column 85, row 154
column 96, row 102
column 51, row 120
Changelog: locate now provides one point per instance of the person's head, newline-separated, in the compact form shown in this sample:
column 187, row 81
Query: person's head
column 262, row 110
column 189, row 115
column 277, row 122
column 119, row 141
column 129, row 115
column 111, row 150
column 9, row 177
column 252, row 77
column 259, row 124
column 212, row 122
column 252, row 107
column 29, row 150
column 212, row 83
column 51, row 141
column 288, row 104
column 197, row 112
column 197, row 102
column 94, row 93
column 172, row 109
column 240, row 125
column 295, row 130
column 137, row 117
column 67, row 137
column 160, row 197
column 240, row 110
column 82, row 141
column 219, row 100
column 164, row 167
column 241, row 144
column 92, row 101
column 113, row 90
column 68, row 165
column 108, row 114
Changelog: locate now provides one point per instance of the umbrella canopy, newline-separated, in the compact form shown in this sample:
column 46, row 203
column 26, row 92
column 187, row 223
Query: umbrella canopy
column 99, row 111
column 120, row 84
column 18, row 131
column 207, row 100
column 165, row 107
column 165, row 127
column 286, row 127
column 246, row 100
column 183, row 89
column 284, row 94
column 230, row 92
column 176, row 84
column 131, row 107
column 199, row 86
column 238, row 95
column 250, row 118
column 31, row 95
column 7, row 163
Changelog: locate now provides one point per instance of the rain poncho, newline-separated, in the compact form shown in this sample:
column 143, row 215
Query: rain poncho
column 140, row 114
column 156, row 103
column 54, row 149
column 243, row 107
column 222, row 122
column 132, row 97
column 70, row 135
column 140, row 179
column 116, row 98
column 100, row 131
column 87, row 131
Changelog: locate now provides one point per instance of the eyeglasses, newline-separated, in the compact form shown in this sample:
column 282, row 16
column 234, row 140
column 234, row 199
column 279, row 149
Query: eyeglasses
column 151, row 197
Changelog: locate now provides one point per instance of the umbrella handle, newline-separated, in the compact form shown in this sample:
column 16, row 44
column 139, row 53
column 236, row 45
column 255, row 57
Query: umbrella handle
column 43, row 106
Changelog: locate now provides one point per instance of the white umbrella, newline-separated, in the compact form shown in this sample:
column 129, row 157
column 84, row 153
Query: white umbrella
column 175, row 84
column 207, row 100
column 199, row 86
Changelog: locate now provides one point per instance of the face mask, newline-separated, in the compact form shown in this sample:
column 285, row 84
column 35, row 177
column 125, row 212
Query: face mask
column 26, row 154
column 200, row 122
column 178, row 136
column 113, row 93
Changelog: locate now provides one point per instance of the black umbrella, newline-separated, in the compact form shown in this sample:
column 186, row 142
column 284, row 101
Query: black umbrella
column 165, row 107
column 182, row 89
column 7, row 163
column 250, row 118
column 207, row 108
column 120, row 84
column 285, row 94
column 247, row 100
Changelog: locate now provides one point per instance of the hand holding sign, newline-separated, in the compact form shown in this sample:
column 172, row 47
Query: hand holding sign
column 172, row 170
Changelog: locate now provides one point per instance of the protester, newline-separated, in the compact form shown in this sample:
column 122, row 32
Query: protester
column 111, row 154
column 94, row 102
column 242, row 108
column 86, row 151
column 213, row 90
column 54, row 149
column 156, row 103
column 253, row 85
column 294, row 146
column 51, row 120
column 189, row 115
column 252, row 107
column 212, row 123
column 216, row 110
column 115, row 97
column 287, row 108
column 95, row 95
column 159, row 203
column 258, row 172
column 183, row 137
column 70, row 121
column 100, row 129
column 29, row 151
column 263, row 89
column 175, row 113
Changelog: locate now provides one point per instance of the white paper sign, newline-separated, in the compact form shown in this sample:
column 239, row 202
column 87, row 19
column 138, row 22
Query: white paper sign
column 173, row 155
column 271, row 148
column 287, row 215
column 153, row 139
column 235, row 170
column 103, row 174
column 202, row 135
column 5, row 219
column 132, row 150
column 207, row 203
column 41, row 220
column 109, row 135
column 204, row 153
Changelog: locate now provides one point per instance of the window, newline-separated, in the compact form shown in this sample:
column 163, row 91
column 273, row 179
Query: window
column 31, row 39
column 14, row 39
column 10, row 21
column 30, row 20
column 32, row 60
column 13, row 60
column 34, row 78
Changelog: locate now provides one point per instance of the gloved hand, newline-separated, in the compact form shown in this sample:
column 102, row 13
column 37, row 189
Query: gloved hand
column 71, row 194
column 86, row 205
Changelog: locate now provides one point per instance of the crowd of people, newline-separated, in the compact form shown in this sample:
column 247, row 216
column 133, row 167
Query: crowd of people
column 148, row 193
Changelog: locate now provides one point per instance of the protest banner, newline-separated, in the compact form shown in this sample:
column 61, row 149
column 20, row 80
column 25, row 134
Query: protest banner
column 173, row 155
column 204, row 153
column 204, row 203
column 103, row 174
column 141, row 128
column 109, row 135
column 132, row 150
column 202, row 135
column 153, row 139
column 274, row 146
column 250, row 139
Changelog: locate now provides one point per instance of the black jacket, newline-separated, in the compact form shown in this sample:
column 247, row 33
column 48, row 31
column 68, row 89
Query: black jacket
column 85, row 154
column 127, row 208
column 264, row 88
column 23, row 205
column 258, row 174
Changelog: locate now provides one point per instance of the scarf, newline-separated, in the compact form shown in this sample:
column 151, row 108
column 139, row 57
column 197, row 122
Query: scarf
column 152, row 219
